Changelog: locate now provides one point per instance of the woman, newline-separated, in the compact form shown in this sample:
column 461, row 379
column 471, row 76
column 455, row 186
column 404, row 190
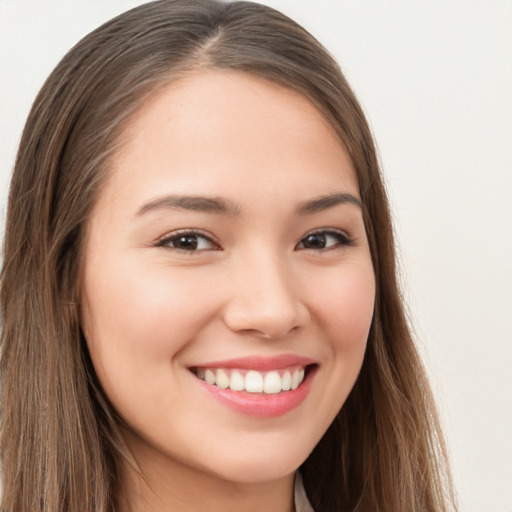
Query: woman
column 199, row 289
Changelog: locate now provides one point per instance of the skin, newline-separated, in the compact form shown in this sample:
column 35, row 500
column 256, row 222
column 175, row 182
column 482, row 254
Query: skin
column 252, row 288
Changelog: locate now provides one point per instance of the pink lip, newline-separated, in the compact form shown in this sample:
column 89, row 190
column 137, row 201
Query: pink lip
column 259, row 363
column 261, row 405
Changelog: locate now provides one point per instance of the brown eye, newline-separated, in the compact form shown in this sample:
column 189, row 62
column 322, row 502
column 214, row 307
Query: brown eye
column 188, row 242
column 315, row 241
column 185, row 242
column 321, row 240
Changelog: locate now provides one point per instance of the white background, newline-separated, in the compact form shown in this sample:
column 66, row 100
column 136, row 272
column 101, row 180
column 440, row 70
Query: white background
column 435, row 78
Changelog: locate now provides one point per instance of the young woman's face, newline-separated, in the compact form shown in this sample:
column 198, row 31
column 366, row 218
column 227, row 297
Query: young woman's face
column 226, row 263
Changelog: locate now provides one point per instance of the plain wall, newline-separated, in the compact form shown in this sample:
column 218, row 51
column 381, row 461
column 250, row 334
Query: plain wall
column 435, row 78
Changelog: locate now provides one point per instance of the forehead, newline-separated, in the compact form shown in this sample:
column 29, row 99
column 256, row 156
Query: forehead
column 209, row 127
column 210, row 90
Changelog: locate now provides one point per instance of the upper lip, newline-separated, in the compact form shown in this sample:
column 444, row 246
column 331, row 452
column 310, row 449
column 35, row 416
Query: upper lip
column 259, row 363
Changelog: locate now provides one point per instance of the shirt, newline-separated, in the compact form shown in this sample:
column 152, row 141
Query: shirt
column 301, row 500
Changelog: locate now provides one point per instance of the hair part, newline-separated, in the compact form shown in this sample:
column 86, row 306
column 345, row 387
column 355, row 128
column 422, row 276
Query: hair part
column 60, row 443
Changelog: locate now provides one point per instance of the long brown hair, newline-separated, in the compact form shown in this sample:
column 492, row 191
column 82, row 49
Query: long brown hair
column 60, row 445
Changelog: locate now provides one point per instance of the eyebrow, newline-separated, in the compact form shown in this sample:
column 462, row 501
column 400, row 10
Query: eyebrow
column 221, row 206
column 325, row 202
column 216, row 205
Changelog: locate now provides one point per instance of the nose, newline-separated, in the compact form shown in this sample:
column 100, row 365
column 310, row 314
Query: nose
column 265, row 300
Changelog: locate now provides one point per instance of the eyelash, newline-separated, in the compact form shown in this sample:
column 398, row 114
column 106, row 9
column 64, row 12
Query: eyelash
column 167, row 240
column 342, row 240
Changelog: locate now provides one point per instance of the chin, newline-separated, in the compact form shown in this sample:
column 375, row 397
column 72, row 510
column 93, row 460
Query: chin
column 263, row 467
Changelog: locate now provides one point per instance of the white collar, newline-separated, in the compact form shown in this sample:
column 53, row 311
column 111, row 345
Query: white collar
column 301, row 500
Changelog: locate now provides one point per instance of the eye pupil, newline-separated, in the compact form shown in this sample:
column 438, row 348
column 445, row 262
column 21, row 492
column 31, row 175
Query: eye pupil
column 186, row 242
column 315, row 241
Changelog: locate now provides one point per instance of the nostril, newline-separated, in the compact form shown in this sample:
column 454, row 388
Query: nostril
column 268, row 321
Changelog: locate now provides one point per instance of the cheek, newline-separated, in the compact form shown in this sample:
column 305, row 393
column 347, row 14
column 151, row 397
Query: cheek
column 345, row 305
column 139, row 321
column 342, row 305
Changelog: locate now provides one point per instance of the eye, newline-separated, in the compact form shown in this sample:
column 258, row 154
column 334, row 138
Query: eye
column 324, row 240
column 188, row 241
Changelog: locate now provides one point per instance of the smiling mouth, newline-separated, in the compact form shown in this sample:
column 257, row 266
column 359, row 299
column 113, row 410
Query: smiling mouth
column 252, row 381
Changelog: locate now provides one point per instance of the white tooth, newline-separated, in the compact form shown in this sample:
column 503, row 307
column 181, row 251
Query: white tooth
column 222, row 380
column 272, row 383
column 295, row 380
column 200, row 373
column 209, row 377
column 236, row 382
column 253, row 382
column 301, row 375
column 286, row 381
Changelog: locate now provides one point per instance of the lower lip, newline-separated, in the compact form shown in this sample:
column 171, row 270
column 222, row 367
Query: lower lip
column 261, row 405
